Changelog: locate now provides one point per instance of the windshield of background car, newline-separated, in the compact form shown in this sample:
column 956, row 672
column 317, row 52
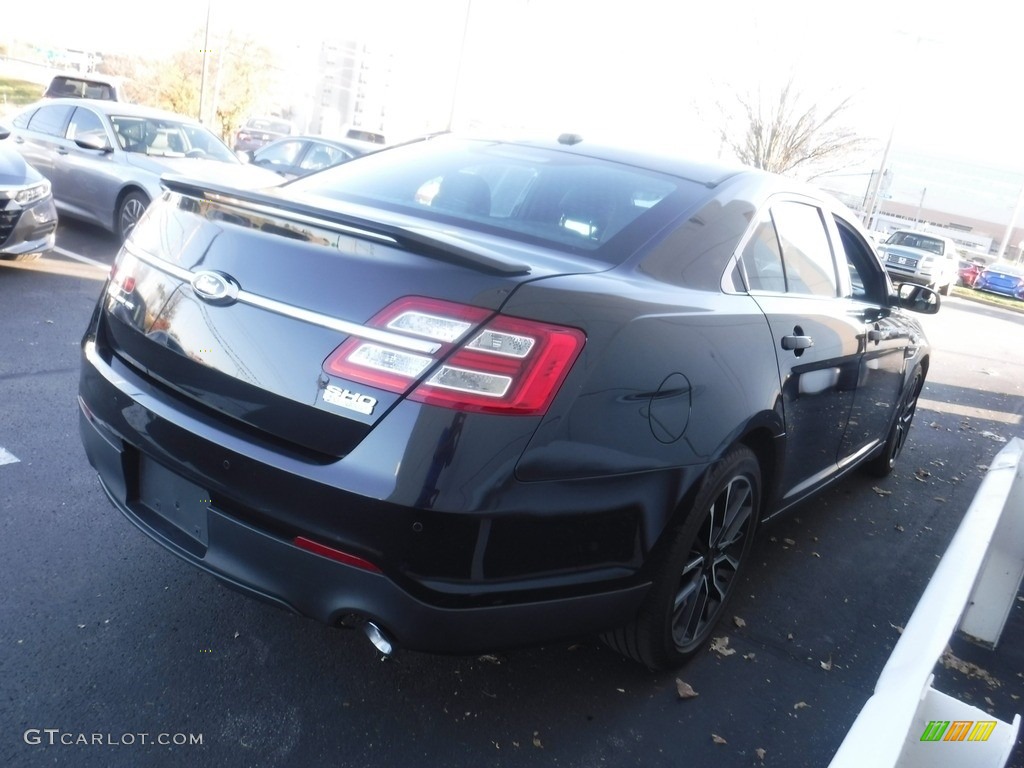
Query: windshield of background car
column 914, row 240
column 161, row 137
column 552, row 198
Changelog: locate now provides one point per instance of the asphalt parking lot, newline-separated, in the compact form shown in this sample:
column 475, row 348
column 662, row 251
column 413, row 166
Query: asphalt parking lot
column 102, row 632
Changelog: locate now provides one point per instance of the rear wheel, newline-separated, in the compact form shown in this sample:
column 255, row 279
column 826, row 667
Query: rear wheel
column 883, row 465
column 698, row 574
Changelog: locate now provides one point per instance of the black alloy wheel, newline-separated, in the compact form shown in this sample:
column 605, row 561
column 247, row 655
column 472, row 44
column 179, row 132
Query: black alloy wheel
column 883, row 464
column 697, row 577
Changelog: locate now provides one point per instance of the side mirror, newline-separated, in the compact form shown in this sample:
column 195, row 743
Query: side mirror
column 93, row 141
column 917, row 298
column 4, row 133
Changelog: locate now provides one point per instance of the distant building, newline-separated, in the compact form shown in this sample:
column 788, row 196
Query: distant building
column 351, row 89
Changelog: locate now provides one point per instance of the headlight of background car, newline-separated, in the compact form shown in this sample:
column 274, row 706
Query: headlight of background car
column 31, row 194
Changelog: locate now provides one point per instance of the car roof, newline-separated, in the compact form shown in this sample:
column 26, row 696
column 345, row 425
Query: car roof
column 117, row 108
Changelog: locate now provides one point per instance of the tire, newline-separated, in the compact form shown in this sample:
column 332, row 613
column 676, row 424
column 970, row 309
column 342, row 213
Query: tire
column 883, row 464
column 698, row 573
column 132, row 206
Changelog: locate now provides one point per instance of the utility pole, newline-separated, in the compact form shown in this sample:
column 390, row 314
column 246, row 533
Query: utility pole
column 1009, row 226
column 206, row 54
column 920, row 206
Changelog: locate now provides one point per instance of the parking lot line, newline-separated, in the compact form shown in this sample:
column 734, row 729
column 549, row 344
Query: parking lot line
column 79, row 257
column 6, row 457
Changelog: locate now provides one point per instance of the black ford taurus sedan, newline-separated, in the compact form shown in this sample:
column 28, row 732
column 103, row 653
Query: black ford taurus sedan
column 474, row 394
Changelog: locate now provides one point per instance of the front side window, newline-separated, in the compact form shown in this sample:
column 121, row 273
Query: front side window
column 323, row 156
column 279, row 153
column 86, row 124
column 867, row 278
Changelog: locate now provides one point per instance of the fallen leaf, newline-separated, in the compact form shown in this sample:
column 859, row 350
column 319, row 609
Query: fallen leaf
column 489, row 657
column 881, row 491
column 815, row 554
column 536, row 740
column 827, row 665
column 685, row 690
column 749, row 657
column 739, row 622
column 899, row 527
column 720, row 645
column 760, row 753
column 789, row 542
column 801, row 705
column 718, row 739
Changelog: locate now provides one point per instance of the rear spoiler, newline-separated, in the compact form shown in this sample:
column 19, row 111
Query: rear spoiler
column 427, row 242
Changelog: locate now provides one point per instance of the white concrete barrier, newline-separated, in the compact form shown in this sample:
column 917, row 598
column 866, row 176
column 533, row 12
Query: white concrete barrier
column 906, row 722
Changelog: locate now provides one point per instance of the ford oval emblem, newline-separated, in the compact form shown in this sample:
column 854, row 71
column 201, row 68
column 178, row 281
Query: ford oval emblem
column 215, row 288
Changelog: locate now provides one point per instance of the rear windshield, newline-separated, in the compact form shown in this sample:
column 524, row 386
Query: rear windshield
column 553, row 198
column 270, row 126
column 80, row 88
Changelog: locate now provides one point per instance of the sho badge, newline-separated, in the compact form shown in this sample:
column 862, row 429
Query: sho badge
column 353, row 401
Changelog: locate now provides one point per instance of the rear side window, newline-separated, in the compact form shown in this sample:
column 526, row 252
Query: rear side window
column 50, row 120
column 806, row 252
column 790, row 252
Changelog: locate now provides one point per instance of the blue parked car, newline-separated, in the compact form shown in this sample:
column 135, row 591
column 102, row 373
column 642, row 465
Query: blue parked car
column 1007, row 279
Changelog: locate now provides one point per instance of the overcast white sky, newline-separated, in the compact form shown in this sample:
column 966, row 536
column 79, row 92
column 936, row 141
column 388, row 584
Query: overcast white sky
column 945, row 74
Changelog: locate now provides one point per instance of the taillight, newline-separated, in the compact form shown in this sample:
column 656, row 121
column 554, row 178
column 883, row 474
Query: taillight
column 507, row 365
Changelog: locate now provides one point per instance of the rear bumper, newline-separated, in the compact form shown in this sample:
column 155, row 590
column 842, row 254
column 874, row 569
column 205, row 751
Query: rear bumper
column 121, row 428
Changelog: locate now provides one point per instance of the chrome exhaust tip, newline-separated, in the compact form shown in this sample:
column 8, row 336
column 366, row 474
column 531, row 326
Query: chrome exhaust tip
column 380, row 640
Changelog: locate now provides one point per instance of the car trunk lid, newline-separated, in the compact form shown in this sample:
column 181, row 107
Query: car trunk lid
column 236, row 301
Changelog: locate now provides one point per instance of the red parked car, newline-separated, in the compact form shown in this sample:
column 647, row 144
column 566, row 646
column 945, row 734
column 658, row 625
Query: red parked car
column 968, row 272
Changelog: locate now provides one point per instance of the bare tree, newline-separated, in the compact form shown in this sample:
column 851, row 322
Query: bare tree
column 790, row 133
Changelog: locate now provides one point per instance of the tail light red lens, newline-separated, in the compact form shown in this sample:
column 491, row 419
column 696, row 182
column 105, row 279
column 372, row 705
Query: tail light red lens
column 484, row 363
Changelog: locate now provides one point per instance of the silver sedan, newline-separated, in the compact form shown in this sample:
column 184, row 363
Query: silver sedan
column 105, row 158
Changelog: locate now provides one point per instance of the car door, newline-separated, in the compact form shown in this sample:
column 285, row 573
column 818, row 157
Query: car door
column 819, row 338
column 87, row 177
column 40, row 137
column 891, row 341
